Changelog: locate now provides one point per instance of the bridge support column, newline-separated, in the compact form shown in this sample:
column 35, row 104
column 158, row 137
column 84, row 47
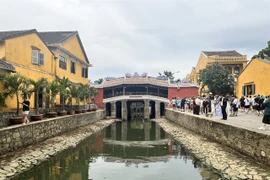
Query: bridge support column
column 157, row 109
column 124, row 110
column 113, row 109
column 146, row 109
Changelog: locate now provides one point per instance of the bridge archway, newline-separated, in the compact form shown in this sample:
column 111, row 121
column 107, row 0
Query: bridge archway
column 152, row 110
column 135, row 109
column 119, row 110
column 162, row 109
column 108, row 109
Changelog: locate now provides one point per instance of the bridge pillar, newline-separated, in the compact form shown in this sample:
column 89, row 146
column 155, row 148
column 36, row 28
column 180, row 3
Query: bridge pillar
column 147, row 128
column 157, row 132
column 157, row 109
column 124, row 110
column 124, row 131
column 146, row 109
column 113, row 109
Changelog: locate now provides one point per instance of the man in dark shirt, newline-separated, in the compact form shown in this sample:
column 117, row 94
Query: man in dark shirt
column 26, row 105
column 223, row 107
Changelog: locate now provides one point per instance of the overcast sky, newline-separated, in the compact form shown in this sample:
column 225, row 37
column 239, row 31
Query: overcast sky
column 150, row 36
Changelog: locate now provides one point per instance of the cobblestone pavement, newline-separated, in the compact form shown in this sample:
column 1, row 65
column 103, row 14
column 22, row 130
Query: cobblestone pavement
column 248, row 121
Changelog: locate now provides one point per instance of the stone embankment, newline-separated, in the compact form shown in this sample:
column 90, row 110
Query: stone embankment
column 17, row 136
column 25, row 158
column 229, row 163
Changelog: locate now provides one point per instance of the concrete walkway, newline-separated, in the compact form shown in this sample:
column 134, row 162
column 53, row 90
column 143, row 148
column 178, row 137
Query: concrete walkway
column 247, row 121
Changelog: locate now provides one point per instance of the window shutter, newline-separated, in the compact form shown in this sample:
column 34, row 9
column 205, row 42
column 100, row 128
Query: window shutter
column 246, row 93
column 86, row 73
column 41, row 59
column 82, row 72
column 243, row 90
column 35, row 56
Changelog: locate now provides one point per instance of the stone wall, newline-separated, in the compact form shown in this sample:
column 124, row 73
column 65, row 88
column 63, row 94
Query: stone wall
column 6, row 115
column 253, row 144
column 17, row 136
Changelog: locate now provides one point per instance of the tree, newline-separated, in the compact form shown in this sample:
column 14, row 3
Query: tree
column 84, row 93
column 99, row 81
column 216, row 78
column 63, row 85
column 170, row 75
column 54, row 90
column 37, row 88
column 13, row 84
column 263, row 53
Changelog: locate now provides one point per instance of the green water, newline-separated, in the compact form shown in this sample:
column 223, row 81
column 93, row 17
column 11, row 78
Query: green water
column 123, row 151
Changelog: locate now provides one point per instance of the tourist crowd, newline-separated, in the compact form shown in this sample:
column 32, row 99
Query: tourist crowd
column 223, row 106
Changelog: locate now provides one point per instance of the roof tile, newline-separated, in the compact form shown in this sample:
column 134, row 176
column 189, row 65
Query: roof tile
column 232, row 53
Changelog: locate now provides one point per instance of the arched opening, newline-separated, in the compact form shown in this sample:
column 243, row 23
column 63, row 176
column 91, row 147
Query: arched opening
column 108, row 109
column 162, row 109
column 135, row 110
column 119, row 109
column 152, row 109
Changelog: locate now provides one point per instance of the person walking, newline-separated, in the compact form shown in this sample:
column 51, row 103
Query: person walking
column 247, row 104
column 197, row 105
column 25, row 110
column 266, row 116
column 223, row 107
column 235, row 106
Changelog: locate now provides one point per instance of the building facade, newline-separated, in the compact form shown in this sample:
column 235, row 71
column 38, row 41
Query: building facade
column 233, row 61
column 255, row 78
column 49, row 55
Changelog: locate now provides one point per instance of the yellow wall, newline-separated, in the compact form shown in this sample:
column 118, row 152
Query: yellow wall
column 257, row 72
column 2, row 50
column 73, row 46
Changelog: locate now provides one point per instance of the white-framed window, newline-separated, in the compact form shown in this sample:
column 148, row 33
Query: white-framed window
column 72, row 67
column 37, row 57
column 62, row 62
column 85, row 72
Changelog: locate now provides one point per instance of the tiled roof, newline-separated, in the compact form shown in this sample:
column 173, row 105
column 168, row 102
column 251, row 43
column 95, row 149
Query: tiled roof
column 56, row 36
column 12, row 34
column 4, row 65
column 232, row 53
column 140, row 80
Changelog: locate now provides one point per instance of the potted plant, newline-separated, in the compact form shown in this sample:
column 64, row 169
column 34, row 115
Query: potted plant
column 84, row 95
column 37, row 88
column 63, row 85
column 93, row 92
column 78, row 96
column 53, row 86
column 3, row 96
column 72, row 93
column 13, row 85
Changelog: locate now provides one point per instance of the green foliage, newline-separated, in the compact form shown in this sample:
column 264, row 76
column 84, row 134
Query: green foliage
column 14, row 84
column 99, row 81
column 263, row 53
column 3, row 96
column 37, row 88
column 170, row 75
column 216, row 78
column 54, row 90
column 63, row 85
column 84, row 93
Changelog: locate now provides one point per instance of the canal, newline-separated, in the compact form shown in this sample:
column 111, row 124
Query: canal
column 123, row 151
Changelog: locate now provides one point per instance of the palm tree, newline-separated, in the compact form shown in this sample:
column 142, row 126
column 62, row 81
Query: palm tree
column 93, row 92
column 3, row 96
column 73, row 92
column 54, row 90
column 63, row 85
column 84, row 93
column 37, row 88
column 13, row 85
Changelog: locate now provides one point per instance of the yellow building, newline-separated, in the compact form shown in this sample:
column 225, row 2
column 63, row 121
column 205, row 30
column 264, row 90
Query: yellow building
column 255, row 78
column 231, row 60
column 43, row 54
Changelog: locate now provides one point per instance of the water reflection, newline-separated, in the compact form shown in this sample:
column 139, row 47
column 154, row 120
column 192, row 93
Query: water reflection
column 124, row 150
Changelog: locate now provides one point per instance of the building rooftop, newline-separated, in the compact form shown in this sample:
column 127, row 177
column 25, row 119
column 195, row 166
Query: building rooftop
column 12, row 34
column 232, row 53
column 55, row 37
column 141, row 79
column 4, row 65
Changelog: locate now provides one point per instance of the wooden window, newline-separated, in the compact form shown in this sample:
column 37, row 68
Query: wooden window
column 72, row 67
column 41, row 59
column 248, row 90
column 62, row 62
column 35, row 56
column 84, row 72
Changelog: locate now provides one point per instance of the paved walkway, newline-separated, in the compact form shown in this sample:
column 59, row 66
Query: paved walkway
column 247, row 121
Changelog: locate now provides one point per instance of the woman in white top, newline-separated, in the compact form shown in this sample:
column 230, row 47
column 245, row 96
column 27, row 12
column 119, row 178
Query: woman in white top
column 236, row 104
